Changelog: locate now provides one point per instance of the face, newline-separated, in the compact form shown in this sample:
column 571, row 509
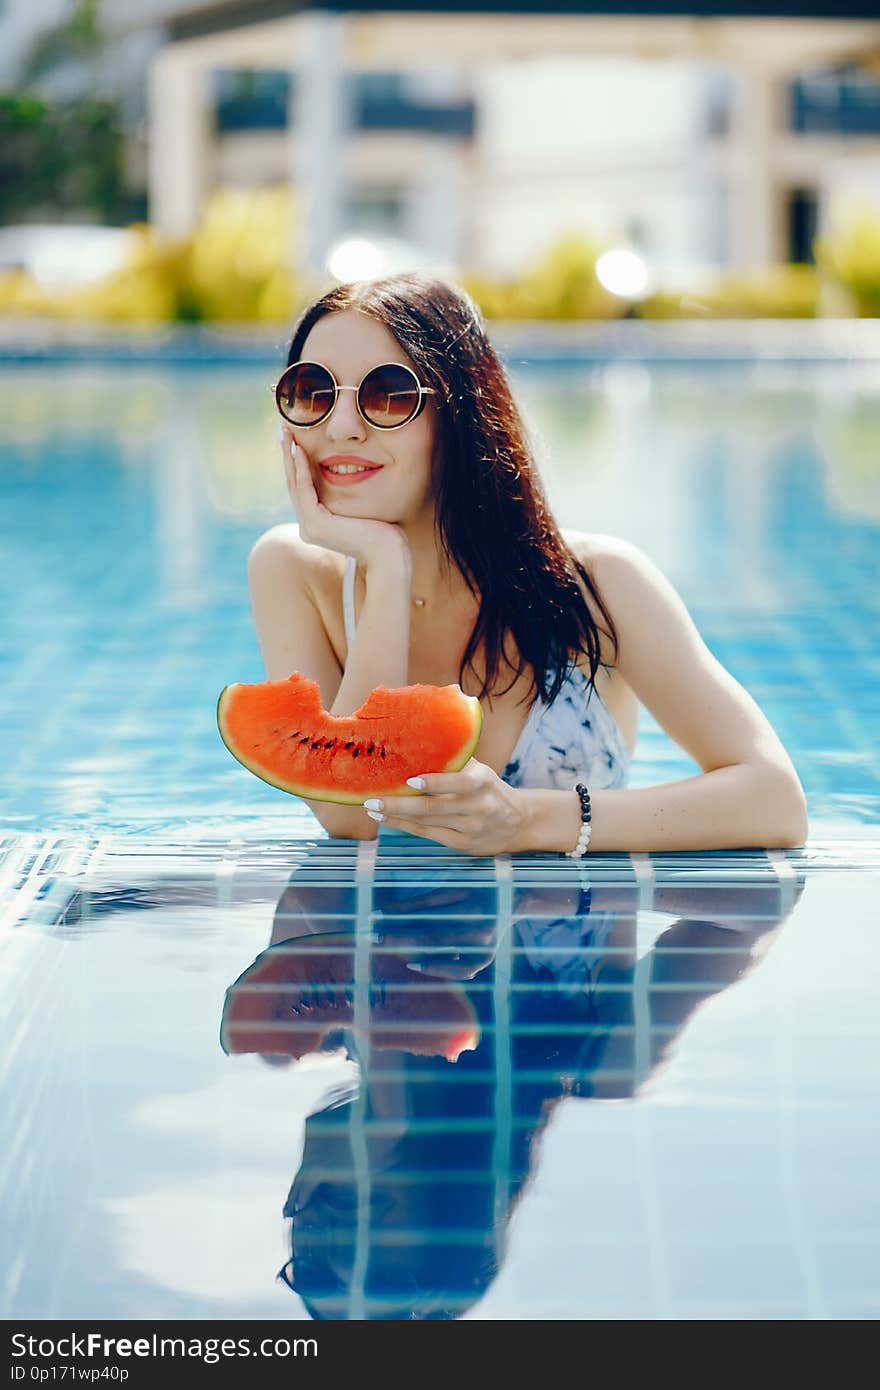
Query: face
column 350, row 344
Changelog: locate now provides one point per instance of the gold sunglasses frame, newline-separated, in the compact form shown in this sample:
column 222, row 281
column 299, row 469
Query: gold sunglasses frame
column 309, row 362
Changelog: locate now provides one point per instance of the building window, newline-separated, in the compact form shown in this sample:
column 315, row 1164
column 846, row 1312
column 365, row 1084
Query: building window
column 376, row 211
column 836, row 101
column 803, row 206
column 377, row 101
column 250, row 100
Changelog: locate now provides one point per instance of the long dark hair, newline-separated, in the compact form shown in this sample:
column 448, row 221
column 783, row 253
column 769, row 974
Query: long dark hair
column 491, row 512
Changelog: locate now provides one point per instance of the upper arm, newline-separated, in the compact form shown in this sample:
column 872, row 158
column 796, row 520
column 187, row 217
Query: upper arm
column 289, row 627
column 292, row 637
column 666, row 662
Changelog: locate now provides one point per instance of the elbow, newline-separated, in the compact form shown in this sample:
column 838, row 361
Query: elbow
column 787, row 805
column 350, row 830
column 791, row 837
column 344, row 822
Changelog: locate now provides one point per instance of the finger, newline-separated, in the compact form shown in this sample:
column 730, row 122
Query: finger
column 305, row 478
column 286, row 440
column 446, row 970
column 437, row 783
column 439, row 809
column 301, row 485
column 442, row 834
column 302, row 458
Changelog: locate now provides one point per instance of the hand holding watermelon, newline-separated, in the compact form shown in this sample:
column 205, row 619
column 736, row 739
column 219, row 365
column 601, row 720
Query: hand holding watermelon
column 473, row 811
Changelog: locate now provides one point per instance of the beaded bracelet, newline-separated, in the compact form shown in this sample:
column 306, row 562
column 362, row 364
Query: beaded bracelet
column 586, row 826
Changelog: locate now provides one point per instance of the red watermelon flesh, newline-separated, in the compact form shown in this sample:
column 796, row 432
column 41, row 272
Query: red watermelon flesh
column 300, row 990
column 280, row 732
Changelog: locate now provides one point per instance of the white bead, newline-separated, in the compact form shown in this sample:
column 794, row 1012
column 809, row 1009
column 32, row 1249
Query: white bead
column 583, row 840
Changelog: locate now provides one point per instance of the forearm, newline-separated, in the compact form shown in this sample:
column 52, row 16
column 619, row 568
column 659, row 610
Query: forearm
column 378, row 656
column 737, row 807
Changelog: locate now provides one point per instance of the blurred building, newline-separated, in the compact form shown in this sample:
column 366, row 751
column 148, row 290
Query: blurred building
column 480, row 139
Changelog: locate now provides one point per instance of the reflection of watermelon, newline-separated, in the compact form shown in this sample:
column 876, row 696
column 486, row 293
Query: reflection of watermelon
column 281, row 733
column 297, row 992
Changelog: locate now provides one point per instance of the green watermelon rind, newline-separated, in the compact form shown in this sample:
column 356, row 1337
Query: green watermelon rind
column 340, row 798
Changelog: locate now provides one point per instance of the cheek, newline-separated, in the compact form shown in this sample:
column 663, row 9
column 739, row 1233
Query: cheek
column 423, row 450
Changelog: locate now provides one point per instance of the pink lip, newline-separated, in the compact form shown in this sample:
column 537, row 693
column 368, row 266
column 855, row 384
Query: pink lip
column 344, row 479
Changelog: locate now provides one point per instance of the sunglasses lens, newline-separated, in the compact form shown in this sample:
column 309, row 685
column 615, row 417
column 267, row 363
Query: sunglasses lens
column 389, row 396
column 306, row 393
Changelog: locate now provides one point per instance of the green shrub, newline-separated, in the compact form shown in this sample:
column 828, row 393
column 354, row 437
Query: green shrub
column 849, row 256
column 783, row 291
column 561, row 284
column 233, row 269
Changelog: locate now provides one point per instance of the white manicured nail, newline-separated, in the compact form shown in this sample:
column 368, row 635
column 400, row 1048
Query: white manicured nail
column 417, row 782
column 375, row 815
column 374, row 804
column 281, row 433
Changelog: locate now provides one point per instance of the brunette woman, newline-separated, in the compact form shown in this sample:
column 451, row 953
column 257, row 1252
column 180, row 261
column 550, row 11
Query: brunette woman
column 425, row 552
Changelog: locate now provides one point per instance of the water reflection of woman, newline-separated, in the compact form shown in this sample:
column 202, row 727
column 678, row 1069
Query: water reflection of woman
column 471, row 1011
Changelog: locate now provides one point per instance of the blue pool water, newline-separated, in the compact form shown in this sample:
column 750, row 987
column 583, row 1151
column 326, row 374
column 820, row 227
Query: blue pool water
column 417, row 1083
column 131, row 496
column 664, row 1105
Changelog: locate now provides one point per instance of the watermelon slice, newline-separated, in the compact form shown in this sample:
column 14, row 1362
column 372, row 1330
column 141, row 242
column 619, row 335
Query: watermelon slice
column 299, row 990
column 279, row 731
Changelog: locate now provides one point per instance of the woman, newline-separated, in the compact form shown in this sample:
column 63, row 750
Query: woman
column 426, row 553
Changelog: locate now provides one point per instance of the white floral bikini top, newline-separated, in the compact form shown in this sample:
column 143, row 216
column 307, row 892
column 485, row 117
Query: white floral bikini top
column 575, row 738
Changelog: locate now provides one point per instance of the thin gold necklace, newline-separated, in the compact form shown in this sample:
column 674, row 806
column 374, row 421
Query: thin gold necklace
column 419, row 602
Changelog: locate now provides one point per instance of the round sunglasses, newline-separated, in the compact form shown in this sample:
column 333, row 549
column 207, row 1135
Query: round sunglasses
column 388, row 397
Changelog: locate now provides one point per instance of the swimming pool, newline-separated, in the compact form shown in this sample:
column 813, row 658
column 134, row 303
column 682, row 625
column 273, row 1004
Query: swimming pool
column 132, row 494
column 637, row 1087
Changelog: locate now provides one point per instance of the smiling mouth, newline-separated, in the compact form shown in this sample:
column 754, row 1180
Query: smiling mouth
column 349, row 470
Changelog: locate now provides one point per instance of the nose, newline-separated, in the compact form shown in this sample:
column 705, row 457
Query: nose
column 345, row 422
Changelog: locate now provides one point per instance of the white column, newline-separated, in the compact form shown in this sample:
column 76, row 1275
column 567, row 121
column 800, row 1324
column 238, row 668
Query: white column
column 436, row 210
column 179, row 157
column 755, row 210
column 319, row 135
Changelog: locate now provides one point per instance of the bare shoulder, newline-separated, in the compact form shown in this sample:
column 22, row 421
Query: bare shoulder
column 282, row 547
column 595, row 547
column 621, row 571
column 596, row 552
column 647, row 611
column 614, row 565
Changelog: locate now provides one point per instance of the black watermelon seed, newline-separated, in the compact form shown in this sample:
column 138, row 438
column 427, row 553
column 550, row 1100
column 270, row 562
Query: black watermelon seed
column 305, row 740
column 317, row 743
column 371, row 747
column 350, row 743
column 355, row 753
column 382, row 751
